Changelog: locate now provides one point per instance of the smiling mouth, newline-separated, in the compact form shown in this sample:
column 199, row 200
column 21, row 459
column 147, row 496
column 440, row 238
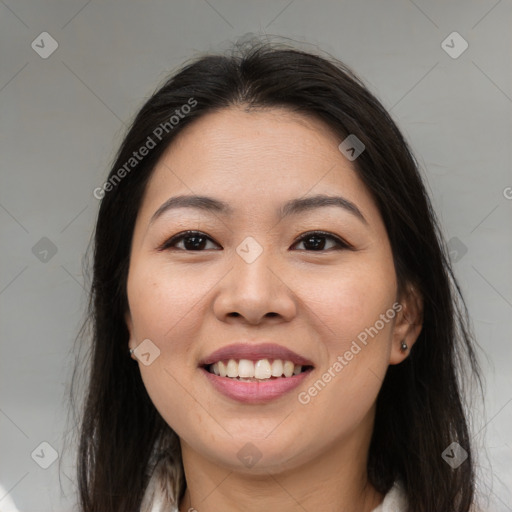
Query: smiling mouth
column 245, row 370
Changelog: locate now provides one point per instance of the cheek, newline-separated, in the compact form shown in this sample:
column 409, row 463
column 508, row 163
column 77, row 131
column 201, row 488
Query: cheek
column 163, row 305
column 162, row 299
column 356, row 338
column 166, row 307
column 351, row 298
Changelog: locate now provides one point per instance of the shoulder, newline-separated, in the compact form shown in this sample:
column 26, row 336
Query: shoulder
column 394, row 501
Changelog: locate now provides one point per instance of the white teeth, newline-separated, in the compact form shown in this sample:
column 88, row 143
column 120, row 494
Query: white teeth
column 277, row 368
column 262, row 369
column 245, row 369
column 222, row 369
column 288, row 368
column 232, row 369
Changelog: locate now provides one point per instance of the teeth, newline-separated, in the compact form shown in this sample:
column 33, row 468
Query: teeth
column 288, row 368
column 262, row 369
column 245, row 368
column 232, row 369
column 277, row 368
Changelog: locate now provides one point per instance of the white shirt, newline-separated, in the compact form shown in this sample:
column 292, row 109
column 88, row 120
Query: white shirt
column 394, row 501
column 6, row 502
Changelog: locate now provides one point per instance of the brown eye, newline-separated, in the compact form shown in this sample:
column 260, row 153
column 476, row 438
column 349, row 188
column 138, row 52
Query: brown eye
column 192, row 241
column 316, row 241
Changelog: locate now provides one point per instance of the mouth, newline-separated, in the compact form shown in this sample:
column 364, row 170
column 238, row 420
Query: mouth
column 255, row 373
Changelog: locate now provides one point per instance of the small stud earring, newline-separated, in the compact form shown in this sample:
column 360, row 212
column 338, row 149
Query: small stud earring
column 403, row 346
column 132, row 351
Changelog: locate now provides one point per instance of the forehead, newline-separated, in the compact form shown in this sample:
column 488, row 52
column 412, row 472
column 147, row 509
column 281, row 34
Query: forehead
column 270, row 133
column 254, row 160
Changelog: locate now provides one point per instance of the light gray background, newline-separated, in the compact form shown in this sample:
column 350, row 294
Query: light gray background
column 63, row 117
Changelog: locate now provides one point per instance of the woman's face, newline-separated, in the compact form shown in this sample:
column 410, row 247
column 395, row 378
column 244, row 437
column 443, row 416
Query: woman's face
column 251, row 277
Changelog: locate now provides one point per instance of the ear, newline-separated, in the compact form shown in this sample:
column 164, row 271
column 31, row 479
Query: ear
column 408, row 323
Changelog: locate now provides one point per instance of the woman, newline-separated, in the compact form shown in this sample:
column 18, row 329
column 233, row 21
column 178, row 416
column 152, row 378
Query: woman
column 266, row 253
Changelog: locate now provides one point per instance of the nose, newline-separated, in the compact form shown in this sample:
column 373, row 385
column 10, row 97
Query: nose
column 255, row 290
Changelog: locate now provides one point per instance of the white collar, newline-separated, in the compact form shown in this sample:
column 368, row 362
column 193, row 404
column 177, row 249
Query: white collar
column 394, row 501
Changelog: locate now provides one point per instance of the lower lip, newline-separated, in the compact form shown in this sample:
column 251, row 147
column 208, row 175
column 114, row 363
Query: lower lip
column 255, row 392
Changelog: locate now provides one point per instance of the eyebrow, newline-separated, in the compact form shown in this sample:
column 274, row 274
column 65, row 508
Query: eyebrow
column 292, row 207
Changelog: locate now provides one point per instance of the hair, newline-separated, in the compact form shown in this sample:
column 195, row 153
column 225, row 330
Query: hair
column 420, row 408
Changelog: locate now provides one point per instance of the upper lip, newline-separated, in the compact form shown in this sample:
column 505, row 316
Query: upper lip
column 255, row 352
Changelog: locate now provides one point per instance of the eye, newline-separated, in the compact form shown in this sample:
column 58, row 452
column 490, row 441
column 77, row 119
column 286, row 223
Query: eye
column 316, row 240
column 196, row 241
column 193, row 240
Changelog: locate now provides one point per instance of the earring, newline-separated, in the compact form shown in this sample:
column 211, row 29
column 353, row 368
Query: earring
column 132, row 351
column 403, row 346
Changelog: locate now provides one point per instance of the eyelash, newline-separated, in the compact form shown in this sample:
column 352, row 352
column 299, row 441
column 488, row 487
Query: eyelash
column 341, row 244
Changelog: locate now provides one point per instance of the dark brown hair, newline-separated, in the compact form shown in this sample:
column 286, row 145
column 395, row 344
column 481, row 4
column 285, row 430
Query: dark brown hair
column 420, row 407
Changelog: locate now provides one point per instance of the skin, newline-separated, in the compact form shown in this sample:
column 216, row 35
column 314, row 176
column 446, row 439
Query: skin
column 316, row 302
